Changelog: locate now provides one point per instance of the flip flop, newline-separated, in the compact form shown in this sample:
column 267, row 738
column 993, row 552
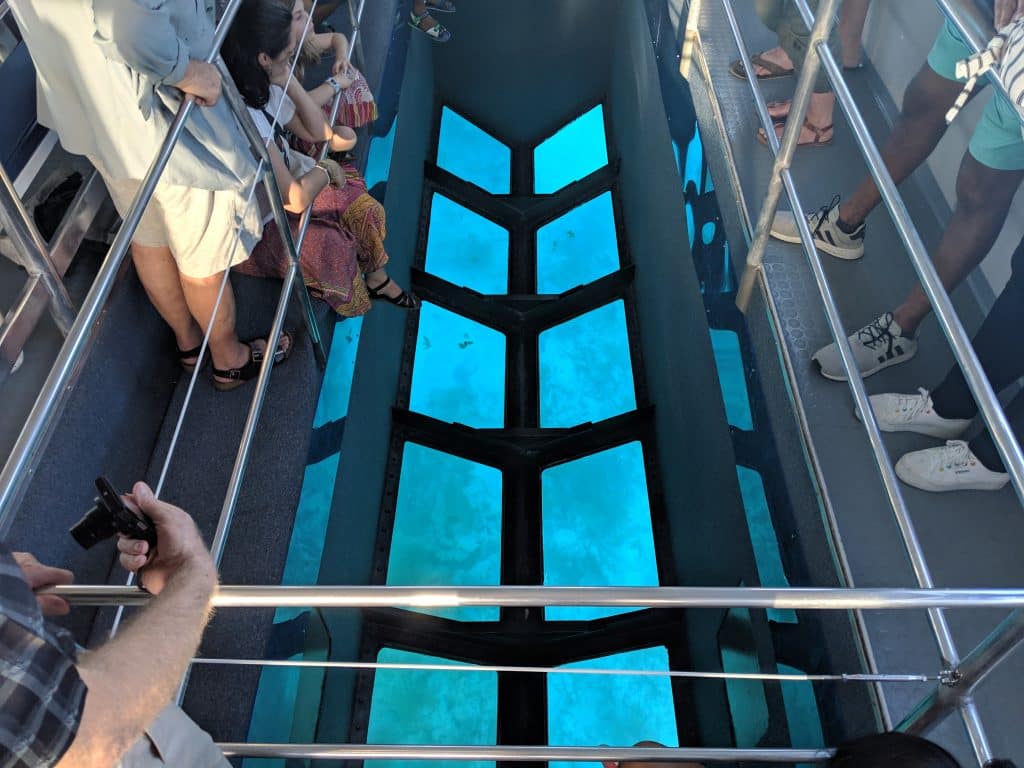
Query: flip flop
column 819, row 133
column 738, row 70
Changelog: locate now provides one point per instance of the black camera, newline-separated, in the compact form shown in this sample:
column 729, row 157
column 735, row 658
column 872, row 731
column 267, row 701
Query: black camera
column 110, row 516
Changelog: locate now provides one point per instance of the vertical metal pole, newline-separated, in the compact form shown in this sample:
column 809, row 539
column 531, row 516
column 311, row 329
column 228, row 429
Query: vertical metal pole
column 36, row 254
column 794, row 123
column 234, row 99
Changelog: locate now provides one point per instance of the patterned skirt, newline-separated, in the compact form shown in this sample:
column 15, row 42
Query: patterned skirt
column 344, row 241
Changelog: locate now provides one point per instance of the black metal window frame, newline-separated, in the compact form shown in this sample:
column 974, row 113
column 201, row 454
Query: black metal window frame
column 522, row 450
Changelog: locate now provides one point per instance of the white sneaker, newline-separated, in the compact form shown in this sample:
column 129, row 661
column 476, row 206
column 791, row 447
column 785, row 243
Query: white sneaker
column 951, row 467
column 824, row 226
column 914, row 413
column 877, row 345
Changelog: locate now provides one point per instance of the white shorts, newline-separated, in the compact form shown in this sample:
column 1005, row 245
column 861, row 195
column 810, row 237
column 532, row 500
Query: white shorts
column 174, row 741
column 201, row 227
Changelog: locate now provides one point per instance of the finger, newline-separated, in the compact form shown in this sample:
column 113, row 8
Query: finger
column 132, row 562
column 129, row 546
column 51, row 605
column 55, row 576
column 25, row 558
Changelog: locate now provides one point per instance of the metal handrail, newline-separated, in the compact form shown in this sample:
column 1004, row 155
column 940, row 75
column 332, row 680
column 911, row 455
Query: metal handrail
column 794, row 598
column 521, row 754
column 819, row 55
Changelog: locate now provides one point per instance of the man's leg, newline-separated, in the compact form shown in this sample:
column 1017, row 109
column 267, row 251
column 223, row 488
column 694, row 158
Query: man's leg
column 158, row 274
column 201, row 294
column 852, row 16
column 921, row 124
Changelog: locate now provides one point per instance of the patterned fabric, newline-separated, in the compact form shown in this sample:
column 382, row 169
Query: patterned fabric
column 41, row 694
column 345, row 239
column 357, row 106
column 1003, row 55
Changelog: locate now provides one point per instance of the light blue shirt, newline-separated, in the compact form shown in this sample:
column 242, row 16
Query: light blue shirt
column 105, row 73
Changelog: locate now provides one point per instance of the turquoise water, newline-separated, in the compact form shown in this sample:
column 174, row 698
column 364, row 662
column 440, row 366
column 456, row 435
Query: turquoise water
column 595, row 510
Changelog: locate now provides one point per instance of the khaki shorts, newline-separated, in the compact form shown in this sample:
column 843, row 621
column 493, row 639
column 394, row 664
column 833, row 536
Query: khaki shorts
column 200, row 227
column 174, row 740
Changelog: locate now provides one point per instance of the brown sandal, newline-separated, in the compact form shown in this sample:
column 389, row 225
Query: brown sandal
column 819, row 133
column 738, row 70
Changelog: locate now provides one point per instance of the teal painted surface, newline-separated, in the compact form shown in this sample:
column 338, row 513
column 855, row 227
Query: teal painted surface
column 577, row 248
column 472, row 154
column 575, row 151
column 459, row 373
column 585, row 369
column 747, row 703
column 424, row 707
column 597, row 527
column 801, row 712
column 763, row 537
column 447, row 526
column 465, row 248
column 589, row 710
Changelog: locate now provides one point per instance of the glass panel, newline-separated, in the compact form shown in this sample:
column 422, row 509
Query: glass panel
column 577, row 248
column 378, row 159
column 447, row 527
column 459, row 375
column 466, row 249
column 430, row 707
column 597, row 527
column 747, row 703
column 473, row 155
column 585, row 370
column 575, row 151
column 726, row 346
column 764, row 539
column 617, row 710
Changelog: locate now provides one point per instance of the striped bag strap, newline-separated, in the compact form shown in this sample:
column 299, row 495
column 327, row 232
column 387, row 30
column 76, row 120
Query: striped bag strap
column 1005, row 55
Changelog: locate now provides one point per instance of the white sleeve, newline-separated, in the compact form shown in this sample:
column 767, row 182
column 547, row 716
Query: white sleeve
column 280, row 99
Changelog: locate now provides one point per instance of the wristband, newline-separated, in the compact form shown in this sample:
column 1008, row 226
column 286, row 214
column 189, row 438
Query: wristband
column 334, row 84
column 326, row 173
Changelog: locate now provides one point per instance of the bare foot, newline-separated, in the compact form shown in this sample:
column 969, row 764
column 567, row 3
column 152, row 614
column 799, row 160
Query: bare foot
column 775, row 56
column 810, row 134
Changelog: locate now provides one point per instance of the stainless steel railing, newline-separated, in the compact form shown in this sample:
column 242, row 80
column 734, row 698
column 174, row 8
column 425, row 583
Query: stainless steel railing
column 1011, row 632
column 49, row 405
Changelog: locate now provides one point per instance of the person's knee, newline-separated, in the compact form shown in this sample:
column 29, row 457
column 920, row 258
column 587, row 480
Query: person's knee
column 984, row 190
column 201, row 283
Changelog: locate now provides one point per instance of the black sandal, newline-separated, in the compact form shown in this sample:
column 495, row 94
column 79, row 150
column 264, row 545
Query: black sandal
column 185, row 353
column 239, row 376
column 405, row 300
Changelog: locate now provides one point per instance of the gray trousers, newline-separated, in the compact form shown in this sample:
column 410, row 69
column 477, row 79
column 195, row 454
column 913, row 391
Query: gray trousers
column 174, row 741
column 785, row 20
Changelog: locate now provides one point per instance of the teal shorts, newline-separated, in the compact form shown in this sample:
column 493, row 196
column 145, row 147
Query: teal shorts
column 997, row 141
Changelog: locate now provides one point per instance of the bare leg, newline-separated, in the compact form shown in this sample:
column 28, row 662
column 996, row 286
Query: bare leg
column 819, row 114
column 158, row 274
column 201, row 294
column 922, row 123
column 851, row 29
column 983, row 199
column 378, row 277
column 775, row 56
column 419, row 7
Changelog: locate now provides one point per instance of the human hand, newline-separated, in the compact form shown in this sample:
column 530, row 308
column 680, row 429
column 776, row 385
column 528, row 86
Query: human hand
column 180, row 552
column 1006, row 11
column 340, row 66
column 41, row 576
column 203, row 81
column 335, row 171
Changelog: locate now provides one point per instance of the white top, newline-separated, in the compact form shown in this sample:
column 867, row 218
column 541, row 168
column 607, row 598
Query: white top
column 281, row 106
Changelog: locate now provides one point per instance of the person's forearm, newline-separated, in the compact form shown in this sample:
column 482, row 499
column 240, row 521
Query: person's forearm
column 309, row 113
column 322, row 94
column 134, row 676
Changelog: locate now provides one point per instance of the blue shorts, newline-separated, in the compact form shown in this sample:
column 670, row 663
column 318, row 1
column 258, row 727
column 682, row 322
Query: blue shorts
column 997, row 141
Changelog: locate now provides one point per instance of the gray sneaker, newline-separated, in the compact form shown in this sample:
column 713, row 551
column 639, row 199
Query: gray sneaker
column 824, row 227
column 877, row 345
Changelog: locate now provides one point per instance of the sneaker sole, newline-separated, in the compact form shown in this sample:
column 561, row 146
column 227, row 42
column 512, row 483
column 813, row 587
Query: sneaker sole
column 925, row 485
column 871, row 372
column 936, row 432
column 846, row 254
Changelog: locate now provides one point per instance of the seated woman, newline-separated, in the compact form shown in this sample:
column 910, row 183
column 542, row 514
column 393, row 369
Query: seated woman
column 357, row 107
column 343, row 254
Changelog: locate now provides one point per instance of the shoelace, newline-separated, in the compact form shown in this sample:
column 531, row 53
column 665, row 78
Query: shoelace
column 819, row 217
column 913, row 405
column 878, row 331
column 955, row 453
